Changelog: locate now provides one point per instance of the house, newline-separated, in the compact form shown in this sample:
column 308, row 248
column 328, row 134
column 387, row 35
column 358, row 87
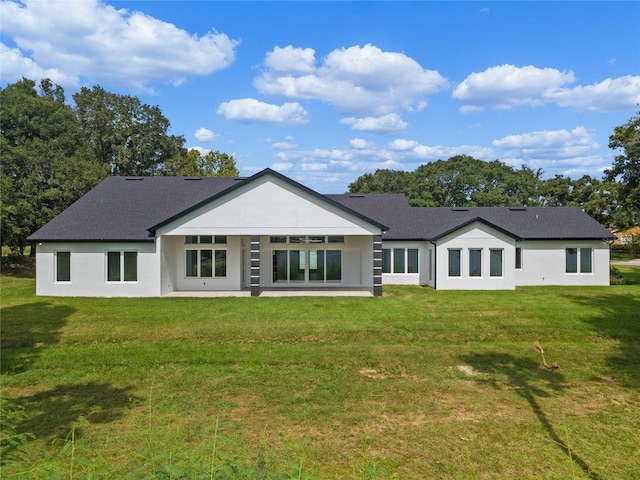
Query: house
column 267, row 234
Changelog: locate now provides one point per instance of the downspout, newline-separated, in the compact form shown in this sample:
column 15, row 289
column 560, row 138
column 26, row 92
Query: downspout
column 435, row 260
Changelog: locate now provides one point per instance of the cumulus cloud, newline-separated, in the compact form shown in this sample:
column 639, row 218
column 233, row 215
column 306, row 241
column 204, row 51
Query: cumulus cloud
column 359, row 143
column 390, row 124
column 401, row 144
column 290, row 59
column 204, row 135
column 608, row 95
column 364, row 80
column 508, row 86
column 282, row 166
column 551, row 144
column 250, row 110
column 95, row 42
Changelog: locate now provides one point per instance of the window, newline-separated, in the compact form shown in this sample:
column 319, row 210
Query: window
column 430, row 265
column 206, row 263
column 571, row 260
column 412, row 260
column 475, row 262
column 401, row 260
column 335, row 238
column 63, row 266
column 518, row 258
column 454, row 263
column 585, row 260
column 205, row 239
column 579, row 257
column 386, row 260
column 122, row 266
column 312, row 239
column 278, row 239
column 398, row 260
column 495, row 263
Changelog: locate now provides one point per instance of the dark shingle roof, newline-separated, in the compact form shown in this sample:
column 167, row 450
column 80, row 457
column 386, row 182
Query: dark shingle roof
column 131, row 208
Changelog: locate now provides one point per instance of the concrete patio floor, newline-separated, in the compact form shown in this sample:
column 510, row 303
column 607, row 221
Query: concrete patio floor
column 281, row 292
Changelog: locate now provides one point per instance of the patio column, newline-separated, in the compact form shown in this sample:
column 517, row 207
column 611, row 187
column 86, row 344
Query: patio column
column 377, row 265
column 255, row 265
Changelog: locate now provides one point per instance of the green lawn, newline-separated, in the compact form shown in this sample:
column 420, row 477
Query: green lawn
column 415, row 384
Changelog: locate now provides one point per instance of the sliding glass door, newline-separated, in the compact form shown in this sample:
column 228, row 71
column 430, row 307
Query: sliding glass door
column 307, row 266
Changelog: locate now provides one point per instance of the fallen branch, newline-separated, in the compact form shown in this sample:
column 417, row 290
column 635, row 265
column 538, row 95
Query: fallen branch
column 553, row 366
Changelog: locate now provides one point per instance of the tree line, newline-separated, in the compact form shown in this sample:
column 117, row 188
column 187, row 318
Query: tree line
column 464, row 181
column 54, row 152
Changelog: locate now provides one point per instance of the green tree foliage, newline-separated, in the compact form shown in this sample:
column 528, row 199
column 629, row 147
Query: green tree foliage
column 194, row 164
column 626, row 168
column 125, row 134
column 460, row 181
column 45, row 164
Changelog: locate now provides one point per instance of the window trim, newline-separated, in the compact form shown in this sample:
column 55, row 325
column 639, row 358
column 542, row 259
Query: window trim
column 198, row 249
column 480, row 253
column 122, row 268
column 306, row 250
column 56, row 266
column 501, row 250
column 459, row 259
column 388, row 258
column 578, row 260
column 518, row 258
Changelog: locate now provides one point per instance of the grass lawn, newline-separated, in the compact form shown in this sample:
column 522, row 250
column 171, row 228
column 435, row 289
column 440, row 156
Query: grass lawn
column 415, row 384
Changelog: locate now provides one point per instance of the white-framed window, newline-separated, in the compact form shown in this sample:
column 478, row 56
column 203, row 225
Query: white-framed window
column 205, row 239
column 306, row 239
column 495, row 262
column 63, row 266
column 518, row 258
column 455, row 258
column 122, row 266
column 400, row 260
column 205, row 263
column 579, row 260
column 475, row 262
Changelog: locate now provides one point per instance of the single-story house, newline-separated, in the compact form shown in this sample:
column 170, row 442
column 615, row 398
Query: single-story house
column 157, row 236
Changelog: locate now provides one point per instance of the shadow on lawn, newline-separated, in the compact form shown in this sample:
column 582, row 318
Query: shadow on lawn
column 618, row 320
column 53, row 412
column 524, row 375
column 26, row 329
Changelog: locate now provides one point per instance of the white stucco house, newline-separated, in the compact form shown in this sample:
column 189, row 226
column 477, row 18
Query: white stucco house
column 158, row 236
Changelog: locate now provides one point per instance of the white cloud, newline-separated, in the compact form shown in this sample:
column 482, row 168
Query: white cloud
column 204, row 135
column 363, row 80
column 290, row 59
column 359, row 143
column 550, row 144
column 250, row 110
column 508, row 86
column 284, row 145
column 91, row 41
column 390, row 124
column 282, row 166
column 401, row 144
column 608, row 95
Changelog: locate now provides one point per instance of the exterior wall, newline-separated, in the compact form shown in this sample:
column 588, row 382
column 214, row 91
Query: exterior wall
column 89, row 270
column 357, row 262
column 269, row 206
column 476, row 236
column 420, row 278
column 543, row 263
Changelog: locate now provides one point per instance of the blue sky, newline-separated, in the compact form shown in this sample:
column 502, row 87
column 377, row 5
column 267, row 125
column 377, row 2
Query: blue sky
column 326, row 91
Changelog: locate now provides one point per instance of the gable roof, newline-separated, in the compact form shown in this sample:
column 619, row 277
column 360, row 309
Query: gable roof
column 132, row 208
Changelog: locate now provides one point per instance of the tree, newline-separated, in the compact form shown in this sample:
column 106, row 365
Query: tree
column 126, row 135
column 626, row 168
column 45, row 164
column 194, row 164
column 459, row 181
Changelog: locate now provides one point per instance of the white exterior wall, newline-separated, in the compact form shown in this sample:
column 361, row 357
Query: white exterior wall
column 268, row 206
column 420, row 278
column 89, row 270
column 476, row 236
column 543, row 263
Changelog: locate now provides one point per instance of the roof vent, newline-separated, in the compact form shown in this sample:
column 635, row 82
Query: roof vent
column 459, row 209
column 356, row 196
column 518, row 209
column 193, row 178
column 133, row 178
column 239, row 179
